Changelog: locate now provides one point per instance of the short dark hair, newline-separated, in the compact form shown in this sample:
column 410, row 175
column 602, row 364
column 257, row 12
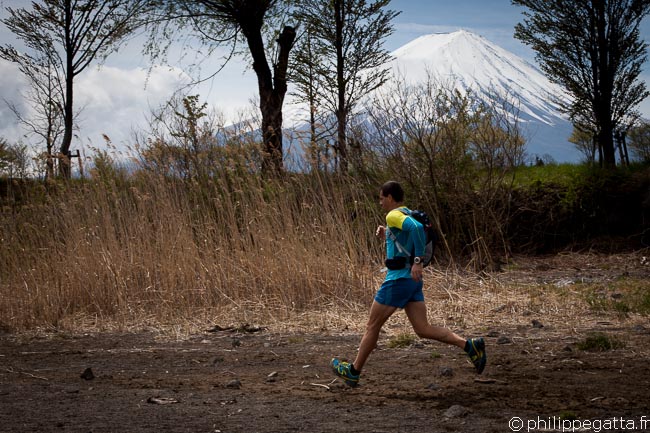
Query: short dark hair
column 394, row 189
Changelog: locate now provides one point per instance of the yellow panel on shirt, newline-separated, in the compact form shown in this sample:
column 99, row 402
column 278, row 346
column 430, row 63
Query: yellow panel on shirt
column 395, row 218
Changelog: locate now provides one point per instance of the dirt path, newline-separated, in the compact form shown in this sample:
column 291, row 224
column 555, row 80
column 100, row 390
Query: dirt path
column 231, row 382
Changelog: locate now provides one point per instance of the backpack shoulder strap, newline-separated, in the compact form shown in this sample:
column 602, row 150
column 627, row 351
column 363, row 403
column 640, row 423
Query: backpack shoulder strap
column 392, row 236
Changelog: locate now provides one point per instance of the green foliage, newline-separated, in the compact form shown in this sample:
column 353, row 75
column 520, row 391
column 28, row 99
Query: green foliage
column 631, row 296
column 14, row 159
column 584, row 141
column 639, row 141
column 566, row 175
column 568, row 415
column 560, row 205
column 401, row 341
column 6, row 156
column 594, row 51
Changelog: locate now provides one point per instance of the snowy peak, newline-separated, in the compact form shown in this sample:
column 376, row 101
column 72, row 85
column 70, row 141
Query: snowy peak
column 469, row 61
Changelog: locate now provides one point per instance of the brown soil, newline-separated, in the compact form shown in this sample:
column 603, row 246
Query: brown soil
column 267, row 381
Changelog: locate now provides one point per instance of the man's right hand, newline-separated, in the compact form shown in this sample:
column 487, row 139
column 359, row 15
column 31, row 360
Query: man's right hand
column 381, row 232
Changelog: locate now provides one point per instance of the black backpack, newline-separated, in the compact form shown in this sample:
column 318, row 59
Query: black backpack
column 430, row 232
column 430, row 243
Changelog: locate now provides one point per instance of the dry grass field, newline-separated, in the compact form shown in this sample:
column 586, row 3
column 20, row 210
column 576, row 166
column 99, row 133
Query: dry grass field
column 215, row 306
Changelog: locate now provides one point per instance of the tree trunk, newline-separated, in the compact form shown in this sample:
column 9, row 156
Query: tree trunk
column 68, row 110
column 271, row 108
column 64, row 160
column 606, row 141
column 341, row 111
column 272, row 88
column 605, row 87
column 314, row 154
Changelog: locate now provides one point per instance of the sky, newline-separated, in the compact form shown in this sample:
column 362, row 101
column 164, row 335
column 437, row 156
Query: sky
column 119, row 97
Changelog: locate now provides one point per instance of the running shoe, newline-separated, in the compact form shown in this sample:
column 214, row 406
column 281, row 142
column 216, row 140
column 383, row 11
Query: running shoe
column 342, row 369
column 476, row 353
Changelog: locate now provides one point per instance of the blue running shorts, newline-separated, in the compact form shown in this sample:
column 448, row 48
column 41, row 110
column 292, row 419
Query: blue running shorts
column 398, row 293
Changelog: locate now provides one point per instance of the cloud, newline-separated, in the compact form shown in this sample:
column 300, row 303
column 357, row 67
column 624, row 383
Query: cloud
column 415, row 28
column 113, row 101
column 12, row 84
column 116, row 101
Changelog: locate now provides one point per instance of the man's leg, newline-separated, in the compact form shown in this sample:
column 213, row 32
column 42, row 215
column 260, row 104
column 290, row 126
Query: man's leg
column 417, row 314
column 379, row 313
column 474, row 347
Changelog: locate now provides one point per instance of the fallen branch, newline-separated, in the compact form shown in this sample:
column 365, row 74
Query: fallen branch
column 25, row 373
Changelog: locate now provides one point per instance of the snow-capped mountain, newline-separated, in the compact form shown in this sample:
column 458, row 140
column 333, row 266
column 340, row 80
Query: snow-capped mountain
column 469, row 61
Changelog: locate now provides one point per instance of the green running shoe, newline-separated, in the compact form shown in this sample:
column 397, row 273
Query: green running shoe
column 342, row 369
column 476, row 353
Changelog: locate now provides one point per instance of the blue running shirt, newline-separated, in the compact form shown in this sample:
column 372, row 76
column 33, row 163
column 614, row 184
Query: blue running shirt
column 409, row 233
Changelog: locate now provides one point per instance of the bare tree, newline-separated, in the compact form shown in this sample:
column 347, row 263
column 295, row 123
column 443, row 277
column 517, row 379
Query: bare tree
column 304, row 75
column 70, row 35
column 219, row 23
column 457, row 152
column 44, row 96
column 349, row 36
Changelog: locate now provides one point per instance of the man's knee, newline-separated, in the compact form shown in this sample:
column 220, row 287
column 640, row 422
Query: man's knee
column 421, row 330
column 374, row 326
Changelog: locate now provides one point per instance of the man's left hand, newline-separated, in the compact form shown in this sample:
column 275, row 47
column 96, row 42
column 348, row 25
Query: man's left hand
column 416, row 271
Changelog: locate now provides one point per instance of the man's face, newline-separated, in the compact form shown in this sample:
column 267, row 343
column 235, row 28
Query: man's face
column 386, row 203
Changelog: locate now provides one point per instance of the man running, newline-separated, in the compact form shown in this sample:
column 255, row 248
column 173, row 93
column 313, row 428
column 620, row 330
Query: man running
column 402, row 288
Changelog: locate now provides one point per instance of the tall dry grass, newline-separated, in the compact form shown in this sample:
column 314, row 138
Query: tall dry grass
column 142, row 250
column 145, row 249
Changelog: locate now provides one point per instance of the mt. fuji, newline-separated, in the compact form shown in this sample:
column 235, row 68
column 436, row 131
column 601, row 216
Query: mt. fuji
column 469, row 61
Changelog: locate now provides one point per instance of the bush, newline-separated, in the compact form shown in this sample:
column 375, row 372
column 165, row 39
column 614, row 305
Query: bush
column 600, row 342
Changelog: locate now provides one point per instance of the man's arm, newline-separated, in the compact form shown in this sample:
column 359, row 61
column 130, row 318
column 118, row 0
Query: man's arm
column 416, row 232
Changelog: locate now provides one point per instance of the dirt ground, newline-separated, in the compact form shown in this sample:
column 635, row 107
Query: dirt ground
column 235, row 380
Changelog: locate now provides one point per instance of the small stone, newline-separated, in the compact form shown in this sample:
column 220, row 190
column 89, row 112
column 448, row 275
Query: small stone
column 504, row 340
column 88, row 374
column 446, row 372
column 493, row 334
column 433, row 387
column 537, row 324
column 161, row 400
column 234, row 384
column 567, row 349
column 456, row 411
